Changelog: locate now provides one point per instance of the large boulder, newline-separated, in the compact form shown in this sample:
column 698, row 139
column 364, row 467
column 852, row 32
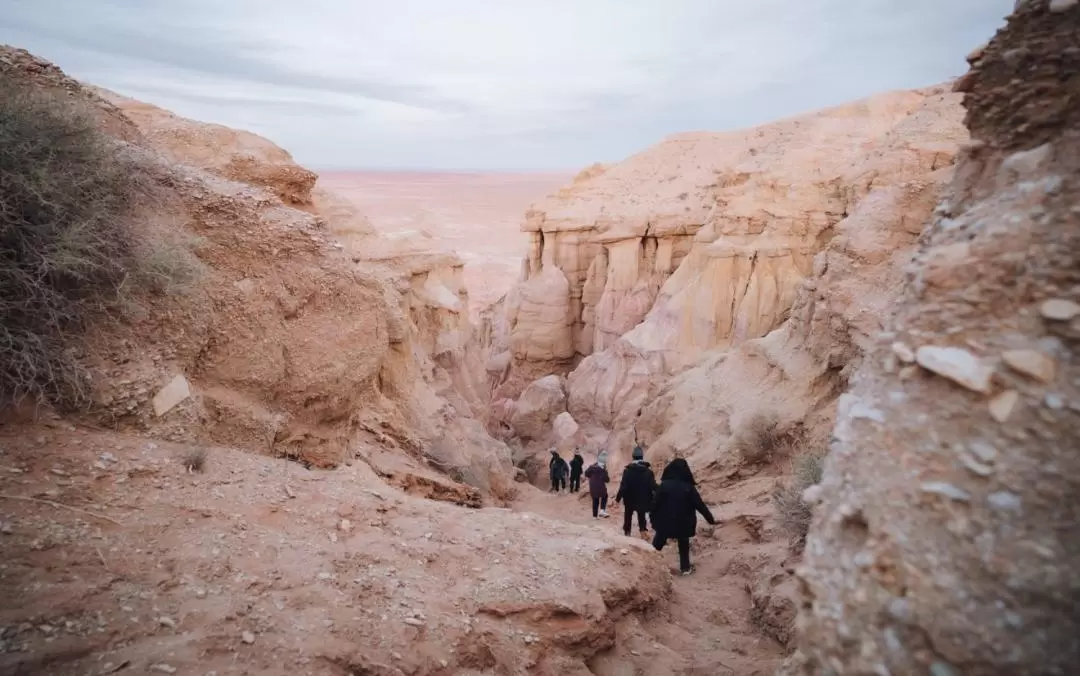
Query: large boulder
column 537, row 407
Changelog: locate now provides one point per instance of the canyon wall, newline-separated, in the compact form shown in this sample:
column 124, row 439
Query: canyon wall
column 946, row 539
column 293, row 327
column 644, row 278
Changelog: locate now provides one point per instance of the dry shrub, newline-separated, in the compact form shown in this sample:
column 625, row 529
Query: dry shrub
column 761, row 438
column 69, row 249
column 194, row 459
column 791, row 510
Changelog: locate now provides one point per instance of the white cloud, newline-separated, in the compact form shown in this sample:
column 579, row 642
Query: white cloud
column 497, row 84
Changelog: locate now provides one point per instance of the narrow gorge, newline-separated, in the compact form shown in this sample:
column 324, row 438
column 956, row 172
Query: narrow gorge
column 286, row 445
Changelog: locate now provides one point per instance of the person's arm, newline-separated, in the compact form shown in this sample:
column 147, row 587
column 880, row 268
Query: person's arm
column 622, row 487
column 700, row 506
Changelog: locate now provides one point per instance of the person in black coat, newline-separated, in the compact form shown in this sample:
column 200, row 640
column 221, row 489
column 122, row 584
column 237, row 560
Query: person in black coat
column 636, row 491
column 577, row 464
column 557, row 467
column 675, row 508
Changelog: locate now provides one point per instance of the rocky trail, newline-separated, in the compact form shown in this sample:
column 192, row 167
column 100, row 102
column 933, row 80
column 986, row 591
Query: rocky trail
column 119, row 559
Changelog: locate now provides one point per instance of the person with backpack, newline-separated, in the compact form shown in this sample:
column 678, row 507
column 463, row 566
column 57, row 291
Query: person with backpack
column 675, row 508
column 557, row 467
column 577, row 464
column 598, row 478
column 636, row 491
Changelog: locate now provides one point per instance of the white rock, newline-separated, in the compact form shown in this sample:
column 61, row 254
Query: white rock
column 946, row 490
column 1004, row 500
column 956, row 364
column 167, row 622
column 247, row 637
column 903, row 352
column 1001, row 406
column 163, row 668
column 1059, row 309
column 414, row 622
column 1031, row 363
column 172, row 394
column 1062, row 5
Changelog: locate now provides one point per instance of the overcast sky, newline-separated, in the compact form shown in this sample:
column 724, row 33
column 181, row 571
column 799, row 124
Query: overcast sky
column 489, row 84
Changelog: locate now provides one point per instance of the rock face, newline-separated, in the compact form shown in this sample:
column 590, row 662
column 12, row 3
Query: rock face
column 230, row 153
column 537, row 408
column 947, row 541
column 679, row 261
column 295, row 333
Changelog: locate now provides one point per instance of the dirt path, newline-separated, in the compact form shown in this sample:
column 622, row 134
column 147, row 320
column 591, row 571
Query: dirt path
column 706, row 629
column 117, row 560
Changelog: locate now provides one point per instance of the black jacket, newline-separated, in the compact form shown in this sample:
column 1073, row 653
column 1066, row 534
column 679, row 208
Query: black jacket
column 637, row 485
column 677, row 503
column 557, row 466
column 576, row 464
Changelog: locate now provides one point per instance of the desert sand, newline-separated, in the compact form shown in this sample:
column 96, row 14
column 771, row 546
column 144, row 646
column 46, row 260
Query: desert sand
column 476, row 215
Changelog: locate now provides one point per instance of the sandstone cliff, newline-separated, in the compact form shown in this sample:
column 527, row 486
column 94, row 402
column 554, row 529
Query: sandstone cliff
column 671, row 259
column 280, row 338
column 946, row 540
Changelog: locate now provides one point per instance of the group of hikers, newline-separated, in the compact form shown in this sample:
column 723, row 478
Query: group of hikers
column 671, row 506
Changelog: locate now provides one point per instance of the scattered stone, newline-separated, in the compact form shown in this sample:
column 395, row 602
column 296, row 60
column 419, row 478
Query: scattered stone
column 908, row 372
column 324, row 576
column 344, row 525
column 247, row 637
column 903, row 352
column 166, row 621
column 946, row 490
column 414, row 622
column 1058, row 6
column 163, row 668
column 1001, row 406
column 1004, row 500
column 983, row 451
column 1031, row 363
column 1059, row 309
column 200, row 593
column 172, row 394
column 289, row 491
column 956, row 364
column 1054, row 401
column 107, row 457
column 976, row 467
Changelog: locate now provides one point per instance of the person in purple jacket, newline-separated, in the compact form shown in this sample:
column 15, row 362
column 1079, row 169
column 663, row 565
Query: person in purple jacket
column 598, row 478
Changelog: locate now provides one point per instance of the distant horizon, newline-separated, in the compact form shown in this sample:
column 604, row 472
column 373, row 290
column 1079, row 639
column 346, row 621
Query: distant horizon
column 475, row 85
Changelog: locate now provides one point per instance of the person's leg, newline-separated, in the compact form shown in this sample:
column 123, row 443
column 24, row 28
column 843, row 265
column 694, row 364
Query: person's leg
column 643, row 526
column 603, row 503
column 627, row 518
column 684, row 555
column 595, row 506
column 659, row 541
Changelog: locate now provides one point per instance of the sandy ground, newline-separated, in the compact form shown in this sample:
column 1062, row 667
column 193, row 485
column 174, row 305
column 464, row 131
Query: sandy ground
column 116, row 560
column 475, row 214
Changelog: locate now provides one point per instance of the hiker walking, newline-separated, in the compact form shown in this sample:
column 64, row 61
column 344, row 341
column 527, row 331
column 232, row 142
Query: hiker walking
column 675, row 508
column 577, row 465
column 557, row 468
column 598, row 478
column 636, row 491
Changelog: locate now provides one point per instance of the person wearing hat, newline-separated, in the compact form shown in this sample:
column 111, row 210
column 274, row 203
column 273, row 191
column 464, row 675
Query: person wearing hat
column 636, row 492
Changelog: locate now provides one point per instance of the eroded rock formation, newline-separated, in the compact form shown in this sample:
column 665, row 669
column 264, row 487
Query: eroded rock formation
column 297, row 331
column 947, row 536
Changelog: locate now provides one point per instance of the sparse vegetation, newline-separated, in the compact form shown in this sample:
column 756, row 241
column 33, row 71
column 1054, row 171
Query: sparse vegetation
column 66, row 197
column 761, row 438
column 792, row 511
column 194, row 459
column 69, row 251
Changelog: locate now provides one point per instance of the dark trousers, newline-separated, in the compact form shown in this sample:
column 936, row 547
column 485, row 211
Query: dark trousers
column 575, row 482
column 558, row 482
column 684, row 550
column 598, row 502
column 628, row 519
